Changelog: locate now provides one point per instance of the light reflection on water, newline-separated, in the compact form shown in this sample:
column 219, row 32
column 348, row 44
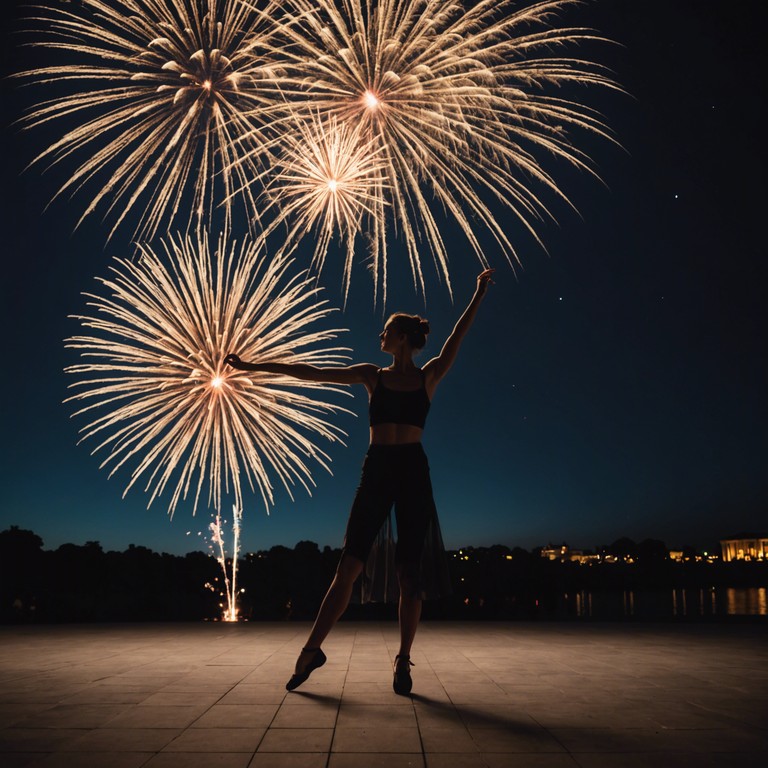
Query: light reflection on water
column 747, row 602
column 674, row 603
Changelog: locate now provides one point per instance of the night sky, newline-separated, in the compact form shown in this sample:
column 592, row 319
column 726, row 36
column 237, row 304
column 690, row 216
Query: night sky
column 614, row 386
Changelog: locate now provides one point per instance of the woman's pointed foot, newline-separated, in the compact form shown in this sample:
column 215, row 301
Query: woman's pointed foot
column 313, row 659
column 402, row 682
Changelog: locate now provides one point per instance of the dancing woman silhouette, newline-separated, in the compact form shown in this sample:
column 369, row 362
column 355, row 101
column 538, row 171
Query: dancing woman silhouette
column 395, row 472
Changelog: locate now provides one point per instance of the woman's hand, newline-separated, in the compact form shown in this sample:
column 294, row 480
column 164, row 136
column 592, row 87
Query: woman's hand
column 483, row 279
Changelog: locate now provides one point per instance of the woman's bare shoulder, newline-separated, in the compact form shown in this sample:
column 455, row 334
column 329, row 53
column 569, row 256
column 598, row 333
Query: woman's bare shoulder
column 367, row 374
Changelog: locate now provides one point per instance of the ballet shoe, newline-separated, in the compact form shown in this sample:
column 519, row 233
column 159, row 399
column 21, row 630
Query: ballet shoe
column 402, row 682
column 317, row 660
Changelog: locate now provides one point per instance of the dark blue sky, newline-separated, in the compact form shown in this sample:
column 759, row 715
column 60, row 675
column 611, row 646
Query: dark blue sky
column 615, row 386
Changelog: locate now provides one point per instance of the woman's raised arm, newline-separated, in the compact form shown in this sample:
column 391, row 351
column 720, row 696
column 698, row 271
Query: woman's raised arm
column 438, row 366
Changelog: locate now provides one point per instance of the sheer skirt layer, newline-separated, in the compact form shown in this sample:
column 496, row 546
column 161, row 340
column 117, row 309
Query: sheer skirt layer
column 378, row 582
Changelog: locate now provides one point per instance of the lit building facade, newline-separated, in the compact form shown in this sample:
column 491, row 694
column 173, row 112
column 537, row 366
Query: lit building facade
column 564, row 553
column 745, row 547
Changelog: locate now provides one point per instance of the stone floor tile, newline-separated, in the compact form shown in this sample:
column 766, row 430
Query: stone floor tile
column 499, row 716
column 304, row 716
column 443, row 718
column 93, row 760
column 670, row 760
column 253, row 694
column 100, row 694
column 447, row 740
column 578, row 715
column 380, row 738
column 465, row 760
column 614, row 740
column 375, row 715
column 368, row 760
column 198, row 760
column 289, row 760
column 152, row 716
column 216, row 740
column 237, row 716
column 515, row 740
column 166, row 698
column 378, row 695
column 502, row 760
column 72, row 716
column 121, row 740
column 36, row 739
column 297, row 740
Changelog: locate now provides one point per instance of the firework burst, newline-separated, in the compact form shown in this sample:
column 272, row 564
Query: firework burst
column 324, row 180
column 159, row 90
column 462, row 106
column 159, row 393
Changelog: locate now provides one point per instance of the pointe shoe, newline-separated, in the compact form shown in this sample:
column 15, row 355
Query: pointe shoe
column 317, row 660
column 402, row 682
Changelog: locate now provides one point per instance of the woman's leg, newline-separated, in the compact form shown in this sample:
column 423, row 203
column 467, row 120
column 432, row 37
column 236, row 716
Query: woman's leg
column 409, row 614
column 333, row 606
column 414, row 508
column 369, row 510
column 409, row 611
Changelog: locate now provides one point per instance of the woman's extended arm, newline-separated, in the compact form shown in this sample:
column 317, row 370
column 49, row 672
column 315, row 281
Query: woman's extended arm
column 438, row 366
column 362, row 373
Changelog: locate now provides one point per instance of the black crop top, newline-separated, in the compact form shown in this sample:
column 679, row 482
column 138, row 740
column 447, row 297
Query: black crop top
column 394, row 406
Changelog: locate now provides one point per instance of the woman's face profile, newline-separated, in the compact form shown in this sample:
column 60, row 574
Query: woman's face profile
column 389, row 337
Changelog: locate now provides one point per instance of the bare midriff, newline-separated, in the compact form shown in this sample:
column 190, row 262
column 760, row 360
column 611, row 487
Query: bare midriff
column 395, row 434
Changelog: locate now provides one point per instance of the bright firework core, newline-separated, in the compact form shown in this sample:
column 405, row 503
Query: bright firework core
column 371, row 100
column 333, row 185
column 216, row 382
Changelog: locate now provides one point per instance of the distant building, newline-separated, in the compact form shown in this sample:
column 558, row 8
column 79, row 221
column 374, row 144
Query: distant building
column 745, row 546
column 564, row 553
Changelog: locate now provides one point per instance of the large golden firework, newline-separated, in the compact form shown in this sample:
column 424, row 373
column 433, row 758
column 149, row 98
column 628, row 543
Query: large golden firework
column 159, row 90
column 157, row 389
column 464, row 105
column 450, row 114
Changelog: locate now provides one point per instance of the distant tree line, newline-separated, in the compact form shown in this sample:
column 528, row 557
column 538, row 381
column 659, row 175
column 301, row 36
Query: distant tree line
column 85, row 583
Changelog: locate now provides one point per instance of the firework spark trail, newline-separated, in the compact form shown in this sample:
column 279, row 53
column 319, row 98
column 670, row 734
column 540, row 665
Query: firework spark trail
column 160, row 90
column 217, row 539
column 158, row 391
column 463, row 105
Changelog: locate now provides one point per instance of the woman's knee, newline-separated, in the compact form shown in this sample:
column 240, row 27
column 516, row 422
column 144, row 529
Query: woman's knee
column 349, row 568
column 408, row 579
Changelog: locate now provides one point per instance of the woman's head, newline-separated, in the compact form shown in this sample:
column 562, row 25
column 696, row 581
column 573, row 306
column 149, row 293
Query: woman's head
column 415, row 328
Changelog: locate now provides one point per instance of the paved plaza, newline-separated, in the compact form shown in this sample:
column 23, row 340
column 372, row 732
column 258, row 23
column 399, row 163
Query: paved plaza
column 543, row 695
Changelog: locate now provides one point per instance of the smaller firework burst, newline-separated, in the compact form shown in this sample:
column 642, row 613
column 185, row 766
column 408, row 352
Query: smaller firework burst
column 327, row 179
column 159, row 394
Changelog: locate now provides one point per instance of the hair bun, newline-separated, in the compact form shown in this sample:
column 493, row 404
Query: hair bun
column 424, row 327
